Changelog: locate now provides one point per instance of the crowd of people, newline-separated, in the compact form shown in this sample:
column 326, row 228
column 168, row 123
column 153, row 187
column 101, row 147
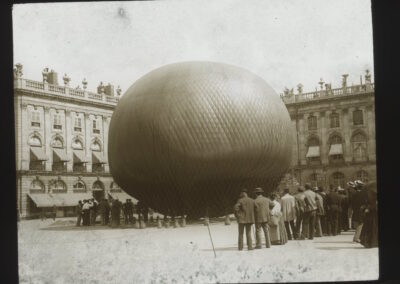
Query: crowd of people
column 108, row 210
column 308, row 213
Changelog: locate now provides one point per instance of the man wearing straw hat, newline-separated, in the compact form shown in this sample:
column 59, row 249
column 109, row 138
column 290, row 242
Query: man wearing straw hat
column 244, row 212
column 262, row 217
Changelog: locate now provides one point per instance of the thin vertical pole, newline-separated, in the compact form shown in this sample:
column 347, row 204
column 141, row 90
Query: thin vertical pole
column 212, row 243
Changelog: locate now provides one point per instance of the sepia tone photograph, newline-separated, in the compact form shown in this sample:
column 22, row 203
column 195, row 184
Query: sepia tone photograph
column 195, row 142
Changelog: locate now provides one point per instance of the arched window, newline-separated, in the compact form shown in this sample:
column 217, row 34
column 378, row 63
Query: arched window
column 57, row 186
column 57, row 143
column 359, row 146
column 338, row 179
column 358, row 118
column 35, row 141
column 96, row 146
column 77, row 144
column 362, row 175
column 79, row 186
column 335, row 122
column 98, row 185
column 313, row 141
column 114, row 186
column 312, row 122
column 36, row 186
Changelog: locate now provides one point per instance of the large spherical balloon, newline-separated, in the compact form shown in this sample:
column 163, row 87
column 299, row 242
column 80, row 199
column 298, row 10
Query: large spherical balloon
column 187, row 137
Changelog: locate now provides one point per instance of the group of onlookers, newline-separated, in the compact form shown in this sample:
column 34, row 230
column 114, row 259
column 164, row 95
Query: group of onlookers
column 308, row 213
column 88, row 210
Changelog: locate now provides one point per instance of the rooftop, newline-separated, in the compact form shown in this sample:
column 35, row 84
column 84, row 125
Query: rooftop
column 49, row 86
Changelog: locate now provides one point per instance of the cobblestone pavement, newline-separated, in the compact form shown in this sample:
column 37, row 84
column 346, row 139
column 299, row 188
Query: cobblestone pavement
column 58, row 252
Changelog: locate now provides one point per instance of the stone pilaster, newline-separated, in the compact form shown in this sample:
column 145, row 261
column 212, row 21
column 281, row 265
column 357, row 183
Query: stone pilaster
column 88, row 130
column 25, row 154
column 68, row 140
column 370, row 121
column 47, row 138
column 105, row 127
column 346, row 117
column 324, row 125
column 302, row 140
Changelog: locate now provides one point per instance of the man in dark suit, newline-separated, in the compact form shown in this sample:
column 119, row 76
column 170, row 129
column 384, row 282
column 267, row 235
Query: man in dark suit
column 334, row 208
column 244, row 212
column 262, row 216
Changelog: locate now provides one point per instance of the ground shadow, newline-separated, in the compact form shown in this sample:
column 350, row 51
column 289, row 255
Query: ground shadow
column 338, row 248
column 222, row 249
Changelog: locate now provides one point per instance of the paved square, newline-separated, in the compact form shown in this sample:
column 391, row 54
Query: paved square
column 67, row 254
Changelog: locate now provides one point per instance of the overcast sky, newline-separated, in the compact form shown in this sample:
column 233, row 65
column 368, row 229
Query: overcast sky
column 284, row 42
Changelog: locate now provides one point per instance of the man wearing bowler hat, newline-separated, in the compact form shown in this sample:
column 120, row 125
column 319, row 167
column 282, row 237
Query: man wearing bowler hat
column 262, row 216
column 244, row 212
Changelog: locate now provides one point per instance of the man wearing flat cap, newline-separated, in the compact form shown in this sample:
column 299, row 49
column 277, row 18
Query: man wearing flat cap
column 262, row 217
column 244, row 212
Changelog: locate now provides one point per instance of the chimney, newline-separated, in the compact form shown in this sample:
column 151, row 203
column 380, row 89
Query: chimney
column 52, row 77
column 109, row 90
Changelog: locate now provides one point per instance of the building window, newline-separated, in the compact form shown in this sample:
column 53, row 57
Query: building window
column 78, row 124
column 57, row 143
column 79, row 186
column 359, row 143
column 95, row 129
column 96, row 146
column 35, row 141
column 77, row 144
column 358, row 118
column 313, row 152
column 57, row 122
column 57, row 186
column 335, row 122
column 335, row 149
column 312, row 122
column 338, row 179
column 36, row 186
column 362, row 175
column 35, row 118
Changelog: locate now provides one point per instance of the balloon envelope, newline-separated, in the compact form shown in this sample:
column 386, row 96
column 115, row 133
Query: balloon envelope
column 187, row 137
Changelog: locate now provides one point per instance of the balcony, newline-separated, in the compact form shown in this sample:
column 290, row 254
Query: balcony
column 63, row 91
column 332, row 93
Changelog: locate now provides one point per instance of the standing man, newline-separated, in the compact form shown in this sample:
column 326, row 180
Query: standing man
column 344, row 217
column 310, row 211
column 350, row 193
column 262, row 216
column 244, row 212
column 86, row 212
column 334, row 208
column 288, row 204
column 358, row 200
column 129, row 210
column 300, row 207
column 102, row 210
column 324, row 218
column 79, row 213
column 320, row 212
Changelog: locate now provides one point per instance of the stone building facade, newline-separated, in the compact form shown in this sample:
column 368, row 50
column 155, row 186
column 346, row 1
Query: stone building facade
column 334, row 130
column 61, row 138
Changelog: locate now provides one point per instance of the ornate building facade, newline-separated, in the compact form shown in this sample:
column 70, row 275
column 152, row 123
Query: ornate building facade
column 61, row 138
column 334, row 130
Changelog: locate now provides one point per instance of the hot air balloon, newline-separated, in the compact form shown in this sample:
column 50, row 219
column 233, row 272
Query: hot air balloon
column 187, row 137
